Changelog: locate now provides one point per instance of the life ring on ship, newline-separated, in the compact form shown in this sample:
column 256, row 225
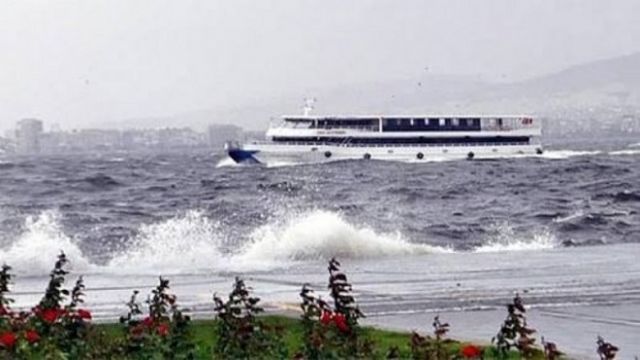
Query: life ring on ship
column 327, row 154
column 420, row 156
column 367, row 156
column 470, row 155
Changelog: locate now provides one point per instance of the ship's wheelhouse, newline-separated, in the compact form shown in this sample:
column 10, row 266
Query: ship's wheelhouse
column 328, row 123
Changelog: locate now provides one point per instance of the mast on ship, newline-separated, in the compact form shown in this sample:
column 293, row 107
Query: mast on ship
column 308, row 106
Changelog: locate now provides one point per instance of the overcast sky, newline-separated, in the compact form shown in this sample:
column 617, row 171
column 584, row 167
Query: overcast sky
column 82, row 63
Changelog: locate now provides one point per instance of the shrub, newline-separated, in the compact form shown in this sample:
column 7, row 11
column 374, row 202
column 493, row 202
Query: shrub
column 514, row 332
column 606, row 351
column 346, row 314
column 50, row 329
column 8, row 319
column 551, row 351
column 163, row 333
column 239, row 333
column 330, row 333
column 316, row 315
column 393, row 353
column 425, row 347
column 5, row 281
column 440, row 330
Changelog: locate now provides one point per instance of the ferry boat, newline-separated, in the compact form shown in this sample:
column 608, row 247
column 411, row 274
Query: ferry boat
column 418, row 138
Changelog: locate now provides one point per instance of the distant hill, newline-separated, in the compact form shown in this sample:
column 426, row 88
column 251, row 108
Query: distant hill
column 605, row 85
column 612, row 84
column 622, row 71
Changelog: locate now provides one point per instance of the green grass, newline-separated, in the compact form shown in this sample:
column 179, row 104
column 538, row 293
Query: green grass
column 202, row 332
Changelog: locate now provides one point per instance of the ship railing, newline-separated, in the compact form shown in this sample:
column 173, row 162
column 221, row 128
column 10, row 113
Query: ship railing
column 358, row 128
column 361, row 128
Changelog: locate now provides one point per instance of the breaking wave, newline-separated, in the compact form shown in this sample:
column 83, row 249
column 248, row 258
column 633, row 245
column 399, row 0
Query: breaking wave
column 226, row 162
column 35, row 250
column 504, row 238
column 186, row 243
column 626, row 152
column 193, row 243
column 321, row 235
column 565, row 154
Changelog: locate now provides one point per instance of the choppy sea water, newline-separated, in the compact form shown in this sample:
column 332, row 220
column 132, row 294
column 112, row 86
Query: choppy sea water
column 451, row 237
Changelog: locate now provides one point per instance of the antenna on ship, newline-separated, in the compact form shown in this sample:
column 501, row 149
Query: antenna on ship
column 308, row 106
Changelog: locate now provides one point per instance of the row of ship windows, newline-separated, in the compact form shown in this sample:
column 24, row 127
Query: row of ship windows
column 435, row 122
column 390, row 123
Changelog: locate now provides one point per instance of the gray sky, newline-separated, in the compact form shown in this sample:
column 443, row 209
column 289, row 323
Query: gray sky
column 80, row 63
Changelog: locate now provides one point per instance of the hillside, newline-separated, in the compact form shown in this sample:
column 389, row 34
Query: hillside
column 604, row 85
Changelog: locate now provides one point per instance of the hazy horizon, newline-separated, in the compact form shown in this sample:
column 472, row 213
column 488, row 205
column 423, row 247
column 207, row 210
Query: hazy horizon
column 91, row 64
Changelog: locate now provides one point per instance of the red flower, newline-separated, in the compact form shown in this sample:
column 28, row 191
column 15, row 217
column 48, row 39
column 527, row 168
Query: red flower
column 84, row 314
column 137, row 330
column 326, row 317
column 163, row 329
column 50, row 315
column 471, row 352
column 148, row 321
column 7, row 339
column 341, row 322
column 32, row 336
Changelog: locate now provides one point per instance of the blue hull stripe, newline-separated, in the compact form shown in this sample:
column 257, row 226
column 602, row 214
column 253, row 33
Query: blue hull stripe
column 241, row 156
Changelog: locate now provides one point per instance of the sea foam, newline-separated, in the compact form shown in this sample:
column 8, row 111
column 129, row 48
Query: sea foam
column 42, row 240
column 565, row 154
column 625, row 152
column 323, row 234
column 504, row 238
column 186, row 243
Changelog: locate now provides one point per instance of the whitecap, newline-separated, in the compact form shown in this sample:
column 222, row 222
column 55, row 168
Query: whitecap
column 183, row 244
column 321, row 234
column 565, row 154
column 504, row 238
column 35, row 250
column 625, row 152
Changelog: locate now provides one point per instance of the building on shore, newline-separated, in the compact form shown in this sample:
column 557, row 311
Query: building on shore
column 28, row 134
column 5, row 145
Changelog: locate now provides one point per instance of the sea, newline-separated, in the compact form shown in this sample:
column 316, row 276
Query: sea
column 456, row 239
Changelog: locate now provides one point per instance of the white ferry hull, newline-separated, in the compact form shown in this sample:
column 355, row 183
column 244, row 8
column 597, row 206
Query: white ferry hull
column 274, row 154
